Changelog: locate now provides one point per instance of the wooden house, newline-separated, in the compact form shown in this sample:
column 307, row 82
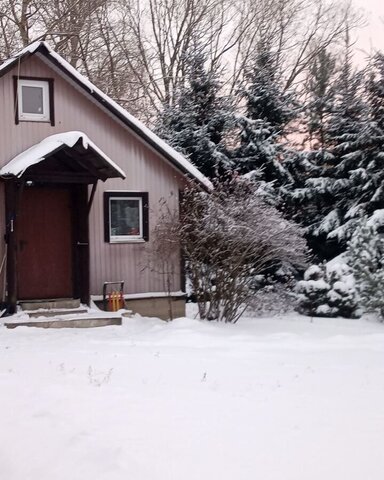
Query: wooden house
column 80, row 183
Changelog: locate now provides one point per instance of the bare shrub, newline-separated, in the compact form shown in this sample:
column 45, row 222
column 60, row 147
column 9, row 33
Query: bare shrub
column 163, row 252
column 227, row 237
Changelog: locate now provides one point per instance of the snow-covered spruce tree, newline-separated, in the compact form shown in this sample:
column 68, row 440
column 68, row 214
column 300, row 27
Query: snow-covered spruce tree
column 197, row 122
column 302, row 201
column 365, row 255
column 320, row 92
column 375, row 88
column 342, row 297
column 267, row 112
column 331, row 201
column 328, row 290
column 349, row 107
column 358, row 177
column 312, row 291
column 228, row 236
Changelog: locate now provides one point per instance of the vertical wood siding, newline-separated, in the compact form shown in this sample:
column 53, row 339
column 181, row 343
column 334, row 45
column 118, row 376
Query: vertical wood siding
column 145, row 170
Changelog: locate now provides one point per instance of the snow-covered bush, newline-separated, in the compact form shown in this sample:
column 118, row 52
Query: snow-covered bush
column 328, row 290
column 342, row 296
column 228, row 237
column 365, row 255
column 313, row 292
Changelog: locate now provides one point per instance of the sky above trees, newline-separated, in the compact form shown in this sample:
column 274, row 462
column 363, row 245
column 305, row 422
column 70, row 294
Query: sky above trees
column 371, row 36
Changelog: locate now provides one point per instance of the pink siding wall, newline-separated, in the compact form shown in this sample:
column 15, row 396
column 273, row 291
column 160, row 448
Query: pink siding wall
column 145, row 170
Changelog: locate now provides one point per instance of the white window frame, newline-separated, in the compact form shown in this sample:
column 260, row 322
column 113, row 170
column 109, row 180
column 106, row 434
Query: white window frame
column 34, row 117
column 126, row 238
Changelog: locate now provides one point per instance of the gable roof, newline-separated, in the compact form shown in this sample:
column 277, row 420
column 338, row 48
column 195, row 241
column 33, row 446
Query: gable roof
column 174, row 157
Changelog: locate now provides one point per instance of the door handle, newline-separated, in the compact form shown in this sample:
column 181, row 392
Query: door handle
column 82, row 244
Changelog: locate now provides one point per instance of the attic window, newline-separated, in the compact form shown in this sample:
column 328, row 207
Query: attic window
column 34, row 98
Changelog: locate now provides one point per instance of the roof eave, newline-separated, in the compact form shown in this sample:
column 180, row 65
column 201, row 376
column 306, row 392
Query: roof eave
column 44, row 50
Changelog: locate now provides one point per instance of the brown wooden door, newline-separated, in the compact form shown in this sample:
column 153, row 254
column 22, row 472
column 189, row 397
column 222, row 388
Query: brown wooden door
column 44, row 231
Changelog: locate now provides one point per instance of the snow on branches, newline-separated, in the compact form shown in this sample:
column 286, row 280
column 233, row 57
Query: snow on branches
column 228, row 237
column 365, row 254
column 328, row 290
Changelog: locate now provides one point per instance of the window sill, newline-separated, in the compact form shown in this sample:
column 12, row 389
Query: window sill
column 33, row 120
column 41, row 120
column 132, row 240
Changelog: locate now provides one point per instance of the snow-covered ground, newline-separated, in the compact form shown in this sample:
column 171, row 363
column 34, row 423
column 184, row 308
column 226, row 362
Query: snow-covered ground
column 272, row 399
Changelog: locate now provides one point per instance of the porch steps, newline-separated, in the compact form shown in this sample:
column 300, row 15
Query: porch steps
column 86, row 322
column 55, row 312
column 55, row 303
column 82, row 317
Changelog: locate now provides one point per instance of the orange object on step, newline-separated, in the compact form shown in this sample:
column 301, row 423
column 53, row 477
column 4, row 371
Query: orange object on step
column 121, row 299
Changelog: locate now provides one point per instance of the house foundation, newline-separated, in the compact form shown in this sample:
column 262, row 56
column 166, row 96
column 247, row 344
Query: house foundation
column 152, row 306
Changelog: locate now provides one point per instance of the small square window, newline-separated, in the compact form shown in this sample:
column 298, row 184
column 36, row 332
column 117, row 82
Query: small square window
column 126, row 216
column 33, row 100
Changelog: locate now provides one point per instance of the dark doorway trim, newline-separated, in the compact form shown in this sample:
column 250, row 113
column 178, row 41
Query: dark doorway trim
column 11, row 200
column 80, row 244
column 81, row 268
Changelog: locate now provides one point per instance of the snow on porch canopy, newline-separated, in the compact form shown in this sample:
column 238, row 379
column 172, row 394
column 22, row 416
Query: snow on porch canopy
column 71, row 150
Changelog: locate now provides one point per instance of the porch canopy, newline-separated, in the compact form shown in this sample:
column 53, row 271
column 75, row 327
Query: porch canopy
column 69, row 157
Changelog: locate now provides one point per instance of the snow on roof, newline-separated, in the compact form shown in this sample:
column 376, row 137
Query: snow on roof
column 27, row 50
column 160, row 145
column 37, row 153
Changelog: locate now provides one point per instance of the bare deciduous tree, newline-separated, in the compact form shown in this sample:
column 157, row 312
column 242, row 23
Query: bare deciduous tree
column 163, row 32
column 88, row 33
column 136, row 50
column 293, row 28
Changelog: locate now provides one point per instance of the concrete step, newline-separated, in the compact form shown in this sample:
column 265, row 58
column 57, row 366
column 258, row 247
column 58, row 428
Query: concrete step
column 54, row 303
column 80, row 322
column 55, row 312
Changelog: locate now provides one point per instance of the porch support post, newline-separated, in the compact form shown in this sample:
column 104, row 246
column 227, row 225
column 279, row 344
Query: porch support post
column 92, row 196
column 11, row 191
column 81, row 229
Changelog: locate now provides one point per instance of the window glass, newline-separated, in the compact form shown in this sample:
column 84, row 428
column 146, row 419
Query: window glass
column 125, row 217
column 32, row 99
